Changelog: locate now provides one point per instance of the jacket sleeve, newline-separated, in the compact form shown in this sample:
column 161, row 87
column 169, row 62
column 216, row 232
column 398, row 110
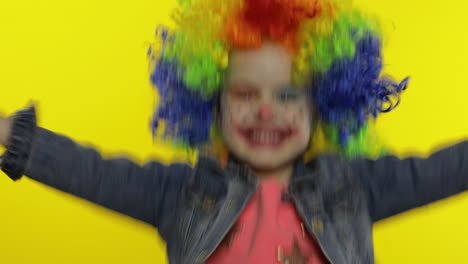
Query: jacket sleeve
column 392, row 185
column 148, row 193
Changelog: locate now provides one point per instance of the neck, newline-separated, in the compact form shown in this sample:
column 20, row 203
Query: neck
column 282, row 174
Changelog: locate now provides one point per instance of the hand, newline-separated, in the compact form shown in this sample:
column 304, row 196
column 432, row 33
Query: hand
column 5, row 130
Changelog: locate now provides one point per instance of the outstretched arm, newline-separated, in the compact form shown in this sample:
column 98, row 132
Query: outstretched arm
column 148, row 192
column 393, row 185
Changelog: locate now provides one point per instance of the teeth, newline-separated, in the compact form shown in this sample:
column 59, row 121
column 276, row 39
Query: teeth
column 265, row 137
column 256, row 136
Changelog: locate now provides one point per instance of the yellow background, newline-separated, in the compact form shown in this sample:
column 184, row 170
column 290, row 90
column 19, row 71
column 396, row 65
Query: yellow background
column 84, row 63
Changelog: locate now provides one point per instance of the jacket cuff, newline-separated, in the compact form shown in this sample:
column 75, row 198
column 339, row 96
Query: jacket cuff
column 14, row 160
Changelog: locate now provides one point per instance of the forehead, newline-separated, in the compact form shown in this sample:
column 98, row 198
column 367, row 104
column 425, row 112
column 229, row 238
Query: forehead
column 268, row 66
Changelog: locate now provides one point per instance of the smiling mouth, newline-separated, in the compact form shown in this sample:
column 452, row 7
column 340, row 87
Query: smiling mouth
column 261, row 137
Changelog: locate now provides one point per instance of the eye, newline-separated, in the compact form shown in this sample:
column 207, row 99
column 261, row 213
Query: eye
column 243, row 93
column 288, row 95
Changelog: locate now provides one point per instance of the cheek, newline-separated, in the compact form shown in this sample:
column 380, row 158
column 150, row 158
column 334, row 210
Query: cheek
column 300, row 119
column 236, row 114
column 297, row 116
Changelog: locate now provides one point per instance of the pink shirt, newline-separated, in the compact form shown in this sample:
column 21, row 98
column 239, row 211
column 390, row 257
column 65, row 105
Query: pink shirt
column 268, row 231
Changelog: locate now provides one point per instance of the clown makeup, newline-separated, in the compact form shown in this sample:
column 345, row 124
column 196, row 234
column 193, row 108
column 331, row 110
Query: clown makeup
column 265, row 119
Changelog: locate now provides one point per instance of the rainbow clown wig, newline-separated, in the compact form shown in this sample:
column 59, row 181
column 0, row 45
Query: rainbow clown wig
column 337, row 57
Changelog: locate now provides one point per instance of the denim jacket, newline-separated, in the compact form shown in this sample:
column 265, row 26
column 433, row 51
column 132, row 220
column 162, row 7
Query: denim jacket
column 193, row 208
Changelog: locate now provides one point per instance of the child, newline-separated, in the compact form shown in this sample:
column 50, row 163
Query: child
column 264, row 72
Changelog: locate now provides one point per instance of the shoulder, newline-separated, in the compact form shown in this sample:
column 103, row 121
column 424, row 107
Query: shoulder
column 331, row 172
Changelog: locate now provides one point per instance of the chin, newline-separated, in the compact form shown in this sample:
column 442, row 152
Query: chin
column 265, row 159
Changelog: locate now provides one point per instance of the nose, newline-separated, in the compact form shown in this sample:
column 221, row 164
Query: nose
column 264, row 112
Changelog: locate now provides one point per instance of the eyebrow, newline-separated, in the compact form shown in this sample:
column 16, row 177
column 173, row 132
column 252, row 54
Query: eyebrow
column 290, row 86
column 241, row 82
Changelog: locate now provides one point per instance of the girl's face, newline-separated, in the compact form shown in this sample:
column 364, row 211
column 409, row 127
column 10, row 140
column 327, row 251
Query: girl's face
column 266, row 120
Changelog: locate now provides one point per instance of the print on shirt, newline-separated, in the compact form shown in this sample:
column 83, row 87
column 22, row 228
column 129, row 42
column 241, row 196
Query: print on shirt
column 295, row 256
column 231, row 235
column 269, row 230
